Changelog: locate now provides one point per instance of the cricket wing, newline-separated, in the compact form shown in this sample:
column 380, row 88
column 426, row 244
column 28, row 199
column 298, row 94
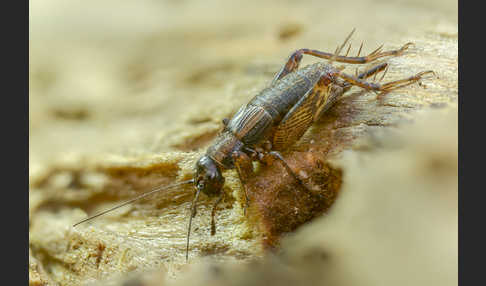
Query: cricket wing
column 299, row 118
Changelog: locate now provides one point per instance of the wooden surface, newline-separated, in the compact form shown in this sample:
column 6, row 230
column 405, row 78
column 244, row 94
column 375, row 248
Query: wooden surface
column 123, row 100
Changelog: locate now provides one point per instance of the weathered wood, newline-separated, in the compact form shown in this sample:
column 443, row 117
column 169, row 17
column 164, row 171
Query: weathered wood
column 102, row 131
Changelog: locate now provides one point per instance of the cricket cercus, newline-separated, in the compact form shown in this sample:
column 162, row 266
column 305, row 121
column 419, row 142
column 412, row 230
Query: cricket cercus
column 277, row 117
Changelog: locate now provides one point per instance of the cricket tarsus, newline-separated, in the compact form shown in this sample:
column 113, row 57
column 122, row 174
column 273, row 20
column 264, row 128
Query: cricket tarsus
column 146, row 194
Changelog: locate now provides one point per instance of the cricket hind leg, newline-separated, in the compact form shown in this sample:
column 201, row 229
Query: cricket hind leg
column 295, row 58
column 368, row 73
column 337, row 90
column 386, row 87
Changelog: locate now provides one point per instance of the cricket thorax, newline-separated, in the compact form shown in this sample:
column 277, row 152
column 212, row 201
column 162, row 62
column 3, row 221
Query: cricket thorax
column 223, row 147
column 250, row 124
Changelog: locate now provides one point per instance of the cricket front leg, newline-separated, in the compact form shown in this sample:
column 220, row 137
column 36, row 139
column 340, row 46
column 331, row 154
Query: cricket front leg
column 268, row 158
column 213, row 213
column 244, row 168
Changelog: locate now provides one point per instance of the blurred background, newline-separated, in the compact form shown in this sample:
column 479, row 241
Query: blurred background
column 124, row 74
column 150, row 77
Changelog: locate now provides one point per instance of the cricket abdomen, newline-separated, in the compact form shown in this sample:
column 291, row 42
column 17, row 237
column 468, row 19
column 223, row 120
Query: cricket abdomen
column 254, row 122
column 279, row 98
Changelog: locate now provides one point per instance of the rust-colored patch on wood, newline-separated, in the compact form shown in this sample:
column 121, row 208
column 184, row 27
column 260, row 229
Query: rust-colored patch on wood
column 280, row 204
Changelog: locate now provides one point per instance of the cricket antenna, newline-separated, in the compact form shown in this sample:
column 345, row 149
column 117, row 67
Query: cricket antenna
column 193, row 214
column 146, row 194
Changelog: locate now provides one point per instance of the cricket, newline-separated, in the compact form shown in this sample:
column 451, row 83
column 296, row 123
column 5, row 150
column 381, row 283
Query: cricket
column 277, row 117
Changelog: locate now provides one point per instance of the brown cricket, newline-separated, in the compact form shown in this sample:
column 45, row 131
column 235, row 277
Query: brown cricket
column 277, row 117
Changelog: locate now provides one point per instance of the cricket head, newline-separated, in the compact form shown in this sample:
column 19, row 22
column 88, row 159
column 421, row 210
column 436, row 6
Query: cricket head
column 208, row 177
column 209, row 180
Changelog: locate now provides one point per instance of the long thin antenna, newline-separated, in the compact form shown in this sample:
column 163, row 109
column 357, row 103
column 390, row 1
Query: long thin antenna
column 135, row 199
column 193, row 214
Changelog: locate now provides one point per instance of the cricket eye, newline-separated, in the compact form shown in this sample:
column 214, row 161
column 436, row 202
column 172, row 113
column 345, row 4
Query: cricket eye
column 210, row 176
column 200, row 185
